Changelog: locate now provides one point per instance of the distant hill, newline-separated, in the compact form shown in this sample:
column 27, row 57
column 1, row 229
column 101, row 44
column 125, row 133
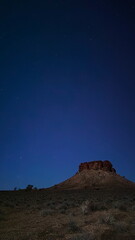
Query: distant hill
column 95, row 174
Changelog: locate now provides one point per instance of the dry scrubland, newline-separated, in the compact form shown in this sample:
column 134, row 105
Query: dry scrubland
column 88, row 214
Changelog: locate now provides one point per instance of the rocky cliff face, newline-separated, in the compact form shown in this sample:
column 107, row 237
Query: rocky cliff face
column 97, row 165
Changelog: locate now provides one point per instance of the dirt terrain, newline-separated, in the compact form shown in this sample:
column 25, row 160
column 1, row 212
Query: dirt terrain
column 91, row 205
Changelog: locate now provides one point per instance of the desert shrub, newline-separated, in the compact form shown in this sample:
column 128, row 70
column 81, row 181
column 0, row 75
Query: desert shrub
column 121, row 226
column 119, row 205
column 2, row 216
column 62, row 211
column 63, row 206
column 52, row 206
column 29, row 187
column 65, row 199
column 77, row 204
column 115, row 204
column 73, row 204
column 85, row 207
column 72, row 214
column 10, row 205
column 94, row 206
column 84, row 236
column 97, row 206
column 122, row 207
column 106, row 218
column 72, row 227
column 109, row 200
column 133, row 208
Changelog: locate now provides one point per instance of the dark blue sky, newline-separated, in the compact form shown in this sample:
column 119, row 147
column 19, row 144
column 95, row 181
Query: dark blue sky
column 67, row 88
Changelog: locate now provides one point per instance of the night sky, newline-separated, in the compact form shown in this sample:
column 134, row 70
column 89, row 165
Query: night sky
column 67, row 88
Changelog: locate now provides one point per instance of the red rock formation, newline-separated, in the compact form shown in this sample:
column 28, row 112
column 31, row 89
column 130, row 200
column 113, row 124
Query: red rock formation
column 97, row 165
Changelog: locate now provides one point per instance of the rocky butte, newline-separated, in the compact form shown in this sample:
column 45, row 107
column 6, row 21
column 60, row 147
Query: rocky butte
column 95, row 173
column 97, row 165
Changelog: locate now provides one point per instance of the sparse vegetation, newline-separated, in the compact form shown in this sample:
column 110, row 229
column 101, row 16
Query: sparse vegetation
column 120, row 205
column 72, row 215
column 106, row 218
column 121, row 226
column 2, row 216
column 133, row 208
column 85, row 207
column 88, row 207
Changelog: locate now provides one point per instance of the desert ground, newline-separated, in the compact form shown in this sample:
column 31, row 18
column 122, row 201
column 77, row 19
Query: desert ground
column 96, row 213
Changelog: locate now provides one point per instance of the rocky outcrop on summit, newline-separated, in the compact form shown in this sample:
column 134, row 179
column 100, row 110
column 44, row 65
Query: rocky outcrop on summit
column 97, row 165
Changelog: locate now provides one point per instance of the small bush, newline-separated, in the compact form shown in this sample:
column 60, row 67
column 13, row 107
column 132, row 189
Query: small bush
column 29, row 187
column 2, row 216
column 133, row 208
column 121, row 206
column 88, row 207
column 121, row 227
column 85, row 207
column 10, row 205
column 62, row 211
column 72, row 227
column 64, row 206
column 95, row 207
column 106, row 218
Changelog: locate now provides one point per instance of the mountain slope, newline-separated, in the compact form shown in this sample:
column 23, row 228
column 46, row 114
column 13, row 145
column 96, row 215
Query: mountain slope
column 95, row 177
